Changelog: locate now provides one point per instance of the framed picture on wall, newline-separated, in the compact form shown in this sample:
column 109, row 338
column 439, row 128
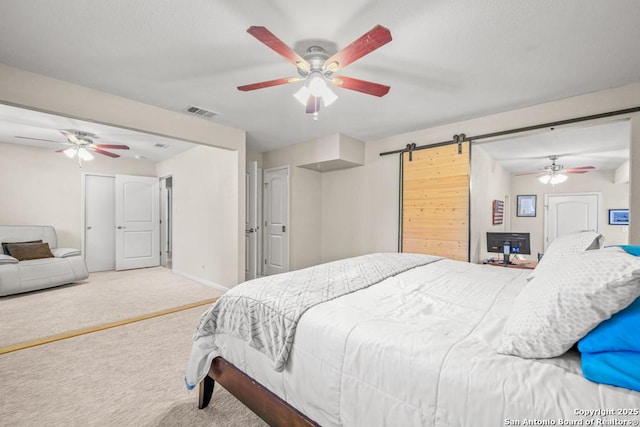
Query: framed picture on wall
column 497, row 208
column 618, row 216
column 526, row 205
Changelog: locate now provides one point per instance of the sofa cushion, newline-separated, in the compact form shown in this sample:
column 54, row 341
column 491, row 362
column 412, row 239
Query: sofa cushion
column 27, row 251
column 4, row 244
column 23, row 233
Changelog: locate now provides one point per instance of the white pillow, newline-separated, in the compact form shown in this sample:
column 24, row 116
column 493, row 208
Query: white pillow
column 7, row 259
column 567, row 245
column 568, row 299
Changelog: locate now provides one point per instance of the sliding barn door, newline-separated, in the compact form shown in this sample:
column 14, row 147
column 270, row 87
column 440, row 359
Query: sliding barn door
column 435, row 201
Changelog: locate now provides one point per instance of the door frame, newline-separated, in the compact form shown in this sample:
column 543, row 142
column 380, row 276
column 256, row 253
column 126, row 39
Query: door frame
column 265, row 216
column 166, row 218
column 545, row 235
column 252, row 208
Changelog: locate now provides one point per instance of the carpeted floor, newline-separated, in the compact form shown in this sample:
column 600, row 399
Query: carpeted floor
column 126, row 376
column 104, row 297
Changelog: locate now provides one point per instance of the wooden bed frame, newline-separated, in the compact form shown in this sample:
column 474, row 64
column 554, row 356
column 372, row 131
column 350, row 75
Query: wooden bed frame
column 265, row 404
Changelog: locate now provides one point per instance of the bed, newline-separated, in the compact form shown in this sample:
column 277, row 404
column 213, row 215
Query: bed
column 424, row 346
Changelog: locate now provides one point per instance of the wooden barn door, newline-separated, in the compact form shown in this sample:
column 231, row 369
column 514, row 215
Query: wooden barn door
column 435, row 201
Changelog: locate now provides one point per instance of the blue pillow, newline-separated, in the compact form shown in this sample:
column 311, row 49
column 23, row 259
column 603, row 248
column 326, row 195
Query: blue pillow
column 633, row 250
column 619, row 368
column 619, row 333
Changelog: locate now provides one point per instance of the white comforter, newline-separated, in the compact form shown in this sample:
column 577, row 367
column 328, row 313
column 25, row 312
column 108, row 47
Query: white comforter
column 418, row 350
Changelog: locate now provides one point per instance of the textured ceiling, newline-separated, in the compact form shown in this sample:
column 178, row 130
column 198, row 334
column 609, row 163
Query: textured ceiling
column 449, row 59
column 604, row 147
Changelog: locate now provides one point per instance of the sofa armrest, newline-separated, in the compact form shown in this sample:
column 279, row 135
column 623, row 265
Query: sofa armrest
column 65, row 252
column 7, row 259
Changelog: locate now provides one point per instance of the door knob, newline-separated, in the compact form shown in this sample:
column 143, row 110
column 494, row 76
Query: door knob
column 251, row 230
column 120, row 227
column 89, row 227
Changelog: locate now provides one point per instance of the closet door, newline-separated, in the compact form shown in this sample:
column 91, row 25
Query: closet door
column 137, row 211
column 100, row 223
column 435, row 201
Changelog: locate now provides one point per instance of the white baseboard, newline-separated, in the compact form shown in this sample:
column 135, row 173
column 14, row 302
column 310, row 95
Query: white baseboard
column 200, row 280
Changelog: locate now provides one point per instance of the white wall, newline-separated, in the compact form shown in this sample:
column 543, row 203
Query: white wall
column 360, row 208
column 254, row 156
column 305, row 201
column 613, row 196
column 41, row 187
column 489, row 182
column 205, row 243
column 30, row 90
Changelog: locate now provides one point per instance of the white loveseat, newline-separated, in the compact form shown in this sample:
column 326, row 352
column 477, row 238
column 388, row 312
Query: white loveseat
column 67, row 265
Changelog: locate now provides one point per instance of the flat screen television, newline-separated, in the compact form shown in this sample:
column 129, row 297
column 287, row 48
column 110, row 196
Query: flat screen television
column 508, row 243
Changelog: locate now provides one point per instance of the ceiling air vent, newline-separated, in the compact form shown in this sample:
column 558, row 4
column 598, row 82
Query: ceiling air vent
column 200, row 112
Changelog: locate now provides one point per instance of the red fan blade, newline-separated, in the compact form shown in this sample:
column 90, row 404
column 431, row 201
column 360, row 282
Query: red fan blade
column 584, row 168
column 313, row 104
column 269, row 83
column 278, row 46
column 363, row 86
column 574, row 171
column 530, row 173
column 367, row 43
column 112, row 146
column 106, row 153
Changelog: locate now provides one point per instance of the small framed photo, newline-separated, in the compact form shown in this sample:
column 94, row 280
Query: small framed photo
column 618, row 216
column 526, row 205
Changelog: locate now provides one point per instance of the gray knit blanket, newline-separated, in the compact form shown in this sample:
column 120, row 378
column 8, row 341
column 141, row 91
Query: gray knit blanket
column 264, row 312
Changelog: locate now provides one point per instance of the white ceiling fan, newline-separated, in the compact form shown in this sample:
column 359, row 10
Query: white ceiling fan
column 318, row 67
column 555, row 174
column 81, row 144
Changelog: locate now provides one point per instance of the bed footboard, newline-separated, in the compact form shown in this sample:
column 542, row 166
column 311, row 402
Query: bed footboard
column 265, row 404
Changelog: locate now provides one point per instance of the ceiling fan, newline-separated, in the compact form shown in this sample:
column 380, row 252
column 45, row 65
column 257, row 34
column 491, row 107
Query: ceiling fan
column 319, row 68
column 555, row 173
column 81, row 143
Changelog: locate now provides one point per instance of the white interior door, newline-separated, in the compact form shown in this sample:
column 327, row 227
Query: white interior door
column 276, row 218
column 137, row 222
column 570, row 213
column 251, row 221
column 100, row 222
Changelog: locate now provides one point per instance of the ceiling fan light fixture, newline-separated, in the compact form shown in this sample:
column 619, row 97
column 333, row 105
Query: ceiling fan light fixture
column 557, row 178
column 302, row 95
column 328, row 97
column 70, row 152
column 317, row 84
column 544, row 178
column 84, row 154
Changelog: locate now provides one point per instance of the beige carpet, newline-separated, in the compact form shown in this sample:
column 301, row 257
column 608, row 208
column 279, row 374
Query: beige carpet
column 103, row 298
column 126, row 376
